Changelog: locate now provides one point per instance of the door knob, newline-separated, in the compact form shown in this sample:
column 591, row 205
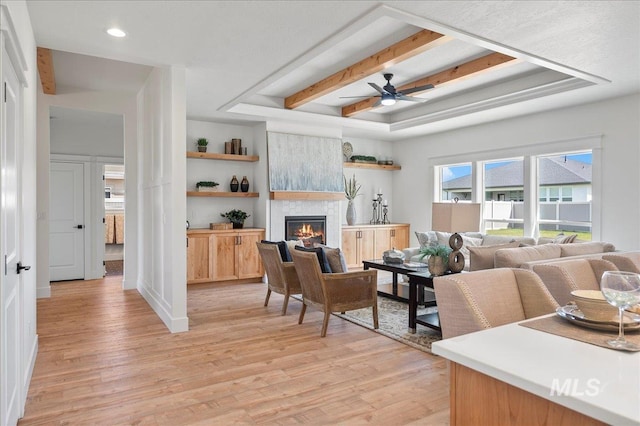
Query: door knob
column 79, row 226
column 20, row 267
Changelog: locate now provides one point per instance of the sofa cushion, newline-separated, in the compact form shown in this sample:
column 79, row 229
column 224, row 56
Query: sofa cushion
column 492, row 240
column 514, row 257
column 483, row 257
column 592, row 247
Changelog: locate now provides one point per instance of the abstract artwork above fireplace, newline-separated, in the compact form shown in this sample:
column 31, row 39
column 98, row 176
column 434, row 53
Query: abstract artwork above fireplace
column 308, row 229
column 304, row 163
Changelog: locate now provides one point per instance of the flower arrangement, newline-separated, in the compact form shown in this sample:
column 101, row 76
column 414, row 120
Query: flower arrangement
column 351, row 188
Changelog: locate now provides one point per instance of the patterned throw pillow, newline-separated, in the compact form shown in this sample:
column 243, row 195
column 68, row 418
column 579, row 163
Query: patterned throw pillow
column 426, row 239
column 565, row 239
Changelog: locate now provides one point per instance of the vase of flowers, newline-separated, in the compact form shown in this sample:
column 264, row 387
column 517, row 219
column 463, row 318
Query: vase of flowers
column 351, row 189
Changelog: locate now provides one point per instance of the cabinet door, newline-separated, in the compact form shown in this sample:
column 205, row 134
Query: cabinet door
column 248, row 261
column 199, row 268
column 400, row 237
column 383, row 240
column 367, row 243
column 223, row 258
column 350, row 247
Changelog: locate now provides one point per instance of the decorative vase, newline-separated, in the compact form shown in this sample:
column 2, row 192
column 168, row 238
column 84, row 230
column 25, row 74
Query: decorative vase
column 351, row 213
column 236, row 146
column 234, row 184
column 202, row 148
column 237, row 225
column 437, row 265
column 244, row 185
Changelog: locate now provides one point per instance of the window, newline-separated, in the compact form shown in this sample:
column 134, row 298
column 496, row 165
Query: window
column 564, row 186
column 564, row 190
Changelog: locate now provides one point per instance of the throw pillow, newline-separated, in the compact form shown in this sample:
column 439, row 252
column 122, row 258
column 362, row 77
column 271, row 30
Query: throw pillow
column 565, row 239
column 291, row 244
column 481, row 257
column 322, row 259
column 335, row 258
column 282, row 248
column 468, row 242
column 426, row 239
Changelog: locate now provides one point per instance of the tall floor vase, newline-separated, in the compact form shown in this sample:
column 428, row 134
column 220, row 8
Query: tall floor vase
column 351, row 213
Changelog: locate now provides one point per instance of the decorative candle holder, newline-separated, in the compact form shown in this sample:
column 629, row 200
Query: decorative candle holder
column 385, row 210
column 374, row 216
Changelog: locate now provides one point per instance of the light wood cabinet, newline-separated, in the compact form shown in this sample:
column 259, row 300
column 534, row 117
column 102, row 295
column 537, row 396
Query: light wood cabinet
column 366, row 242
column 223, row 255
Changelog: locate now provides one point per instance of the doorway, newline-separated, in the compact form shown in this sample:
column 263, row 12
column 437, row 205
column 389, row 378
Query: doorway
column 114, row 219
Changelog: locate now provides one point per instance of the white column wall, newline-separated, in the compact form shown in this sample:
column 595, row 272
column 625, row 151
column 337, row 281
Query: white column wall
column 161, row 252
column 615, row 119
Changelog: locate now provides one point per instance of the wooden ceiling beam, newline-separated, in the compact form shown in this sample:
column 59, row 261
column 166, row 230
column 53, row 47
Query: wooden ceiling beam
column 455, row 74
column 400, row 51
column 45, row 69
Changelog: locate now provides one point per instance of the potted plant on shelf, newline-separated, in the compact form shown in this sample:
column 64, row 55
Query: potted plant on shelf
column 237, row 217
column 202, row 144
column 438, row 260
column 207, row 186
column 351, row 189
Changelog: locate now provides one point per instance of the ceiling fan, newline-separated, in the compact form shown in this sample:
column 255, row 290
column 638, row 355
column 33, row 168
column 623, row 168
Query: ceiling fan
column 389, row 95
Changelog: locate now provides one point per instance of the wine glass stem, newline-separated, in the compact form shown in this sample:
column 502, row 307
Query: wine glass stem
column 620, row 326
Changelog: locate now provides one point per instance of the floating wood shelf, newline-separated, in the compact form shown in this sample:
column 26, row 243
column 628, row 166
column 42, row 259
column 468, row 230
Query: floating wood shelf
column 223, row 194
column 311, row 196
column 352, row 165
column 216, row 156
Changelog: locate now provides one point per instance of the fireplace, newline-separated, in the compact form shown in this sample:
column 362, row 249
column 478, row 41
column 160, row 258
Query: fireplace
column 308, row 229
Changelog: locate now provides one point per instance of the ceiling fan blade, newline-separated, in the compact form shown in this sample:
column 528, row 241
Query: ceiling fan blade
column 347, row 97
column 410, row 98
column 378, row 88
column 418, row 89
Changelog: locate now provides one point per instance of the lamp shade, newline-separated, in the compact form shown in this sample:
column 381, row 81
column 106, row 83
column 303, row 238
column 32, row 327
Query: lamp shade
column 455, row 217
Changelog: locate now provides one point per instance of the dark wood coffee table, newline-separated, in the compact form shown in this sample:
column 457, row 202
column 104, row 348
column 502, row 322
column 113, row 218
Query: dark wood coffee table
column 400, row 291
column 418, row 281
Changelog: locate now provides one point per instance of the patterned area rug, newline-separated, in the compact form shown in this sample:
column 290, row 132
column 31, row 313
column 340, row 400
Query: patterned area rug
column 393, row 319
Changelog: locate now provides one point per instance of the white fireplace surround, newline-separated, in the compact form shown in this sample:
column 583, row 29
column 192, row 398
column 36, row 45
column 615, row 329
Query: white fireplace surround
column 329, row 208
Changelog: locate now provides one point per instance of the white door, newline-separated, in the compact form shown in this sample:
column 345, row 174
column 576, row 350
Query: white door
column 10, row 298
column 66, row 223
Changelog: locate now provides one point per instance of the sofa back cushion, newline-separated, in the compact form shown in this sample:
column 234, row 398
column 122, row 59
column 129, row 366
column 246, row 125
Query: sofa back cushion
column 492, row 240
column 514, row 257
column 578, row 249
column 483, row 257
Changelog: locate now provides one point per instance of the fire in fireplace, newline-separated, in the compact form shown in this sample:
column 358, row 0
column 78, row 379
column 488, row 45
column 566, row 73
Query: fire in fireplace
column 308, row 229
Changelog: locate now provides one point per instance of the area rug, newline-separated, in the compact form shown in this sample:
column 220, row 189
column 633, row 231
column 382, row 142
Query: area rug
column 393, row 321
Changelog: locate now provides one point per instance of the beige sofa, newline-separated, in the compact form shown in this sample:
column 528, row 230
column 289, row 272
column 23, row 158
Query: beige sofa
column 525, row 256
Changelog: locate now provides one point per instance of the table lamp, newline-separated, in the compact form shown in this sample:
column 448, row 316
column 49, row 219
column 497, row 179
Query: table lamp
column 455, row 217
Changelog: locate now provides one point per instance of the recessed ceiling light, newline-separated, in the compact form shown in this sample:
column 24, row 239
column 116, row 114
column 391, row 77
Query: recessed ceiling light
column 116, row 32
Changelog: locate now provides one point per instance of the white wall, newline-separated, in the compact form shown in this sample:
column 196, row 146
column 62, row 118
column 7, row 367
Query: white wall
column 18, row 13
column 161, row 202
column 103, row 136
column 615, row 119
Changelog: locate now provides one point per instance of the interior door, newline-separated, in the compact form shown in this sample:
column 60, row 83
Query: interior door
column 10, row 298
column 66, row 225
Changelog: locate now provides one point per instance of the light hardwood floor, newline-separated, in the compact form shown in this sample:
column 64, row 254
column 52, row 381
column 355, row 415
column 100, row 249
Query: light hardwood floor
column 106, row 358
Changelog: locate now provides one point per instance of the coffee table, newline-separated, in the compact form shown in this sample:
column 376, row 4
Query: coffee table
column 400, row 291
column 417, row 283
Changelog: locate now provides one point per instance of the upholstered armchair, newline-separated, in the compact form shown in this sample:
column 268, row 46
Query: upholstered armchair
column 281, row 276
column 563, row 277
column 629, row 262
column 334, row 292
column 489, row 298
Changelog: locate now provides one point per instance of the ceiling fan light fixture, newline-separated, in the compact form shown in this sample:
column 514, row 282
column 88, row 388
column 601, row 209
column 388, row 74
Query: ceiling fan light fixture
column 387, row 99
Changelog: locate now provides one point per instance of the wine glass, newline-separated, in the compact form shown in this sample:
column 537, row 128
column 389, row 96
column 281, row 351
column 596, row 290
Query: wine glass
column 622, row 290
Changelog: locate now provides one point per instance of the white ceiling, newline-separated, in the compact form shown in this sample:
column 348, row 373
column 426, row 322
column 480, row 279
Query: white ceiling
column 243, row 57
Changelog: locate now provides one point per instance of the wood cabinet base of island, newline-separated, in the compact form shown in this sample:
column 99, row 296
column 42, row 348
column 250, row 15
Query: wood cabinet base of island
column 478, row 399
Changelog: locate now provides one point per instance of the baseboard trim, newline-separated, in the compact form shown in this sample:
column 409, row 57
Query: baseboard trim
column 175, row 325
column 43, row 292
column 28, row 374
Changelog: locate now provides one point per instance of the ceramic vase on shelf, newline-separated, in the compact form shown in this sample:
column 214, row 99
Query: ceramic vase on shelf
column 351, row 213
column 234, row 185
column 244, row 185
